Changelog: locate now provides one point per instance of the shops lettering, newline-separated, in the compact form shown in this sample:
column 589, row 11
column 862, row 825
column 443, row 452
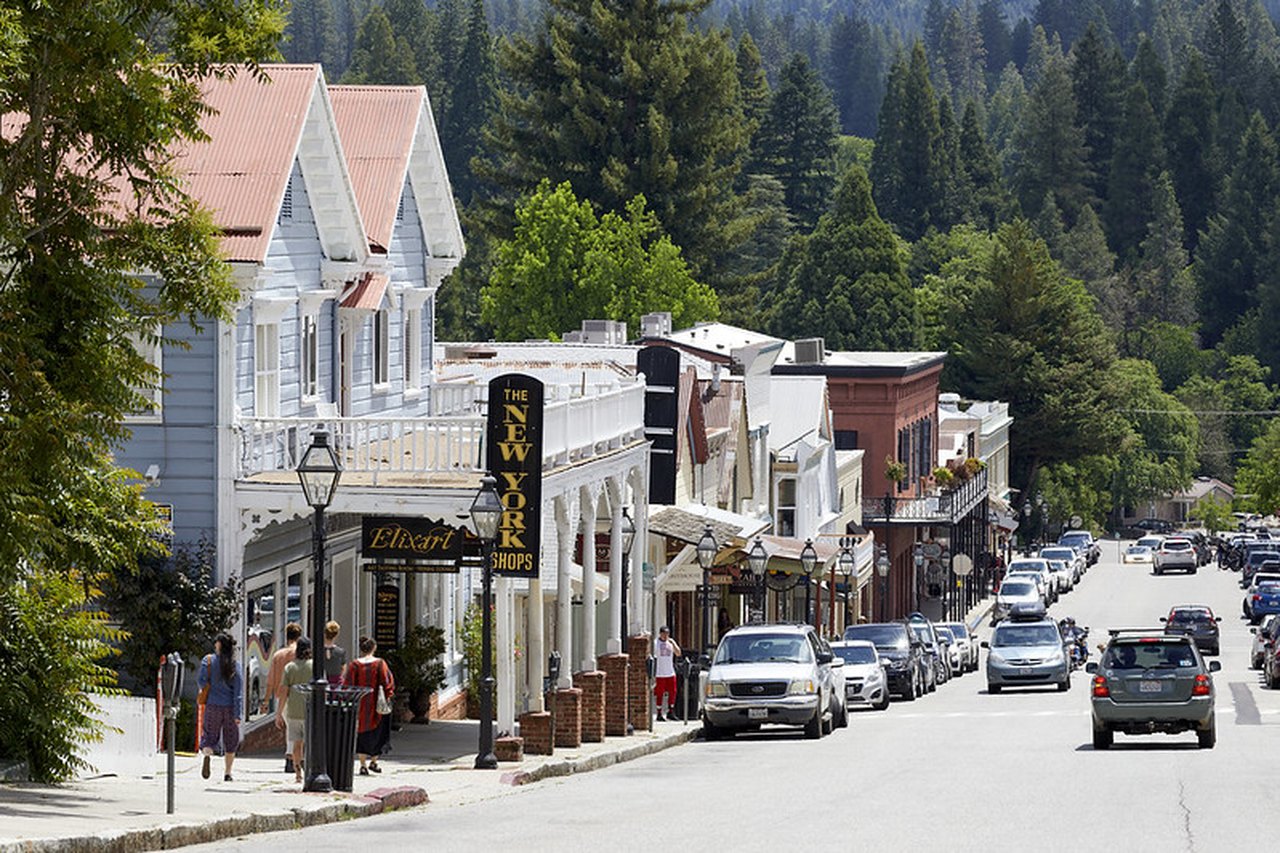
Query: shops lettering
column 513, row 561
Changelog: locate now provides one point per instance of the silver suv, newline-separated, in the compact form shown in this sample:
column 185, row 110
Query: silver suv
column 773, row 674
column 1176, row 553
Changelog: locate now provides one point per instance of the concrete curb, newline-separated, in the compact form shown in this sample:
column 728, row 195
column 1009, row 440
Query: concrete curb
column 553, row 769
column 169, row 836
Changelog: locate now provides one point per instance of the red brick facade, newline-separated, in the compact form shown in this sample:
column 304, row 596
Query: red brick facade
column 509, row 749
column 535, row 728
column 615, row 694
column 592, row 686
column 569, row 717
column 638, row 682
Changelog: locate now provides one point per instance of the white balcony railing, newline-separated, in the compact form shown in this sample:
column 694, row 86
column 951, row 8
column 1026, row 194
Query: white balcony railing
column 573, row 429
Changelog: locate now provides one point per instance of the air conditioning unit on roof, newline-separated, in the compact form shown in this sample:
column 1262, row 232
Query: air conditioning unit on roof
column 810, row 350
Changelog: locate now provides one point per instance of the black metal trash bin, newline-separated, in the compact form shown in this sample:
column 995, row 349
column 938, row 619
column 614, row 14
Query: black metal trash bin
column 341, row 709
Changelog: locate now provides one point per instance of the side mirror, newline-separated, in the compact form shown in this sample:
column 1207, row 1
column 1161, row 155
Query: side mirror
column 1253, row 630
column 985, row 644
column 825, row 657
column 1164, row 619
column 1217, row 619
column 704, row 661
column 837, row 662
column 1214, row 666
column 1093, row 667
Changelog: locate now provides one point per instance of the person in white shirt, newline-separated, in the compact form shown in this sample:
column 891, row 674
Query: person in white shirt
column 665, row 651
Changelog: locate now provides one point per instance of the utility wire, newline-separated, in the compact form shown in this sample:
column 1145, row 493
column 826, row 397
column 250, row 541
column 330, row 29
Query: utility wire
column 1259, row 413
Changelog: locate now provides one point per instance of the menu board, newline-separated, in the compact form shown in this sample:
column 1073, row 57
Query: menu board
column 386, row 617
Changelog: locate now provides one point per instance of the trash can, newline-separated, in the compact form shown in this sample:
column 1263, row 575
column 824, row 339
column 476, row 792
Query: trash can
column 341, row 708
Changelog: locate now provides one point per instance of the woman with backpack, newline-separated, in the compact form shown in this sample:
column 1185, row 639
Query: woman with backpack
column 222, row 694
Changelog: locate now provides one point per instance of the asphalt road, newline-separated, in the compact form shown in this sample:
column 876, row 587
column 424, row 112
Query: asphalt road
column 957, row 770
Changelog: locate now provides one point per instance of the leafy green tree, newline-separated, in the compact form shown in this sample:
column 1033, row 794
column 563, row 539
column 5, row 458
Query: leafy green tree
column 380, row 57
column 1051, row 148
column 1158, row 454
column 848, row 281
column 946, row 268
column 1031, row 336
column 1190, row 129
column 624, row 99
column 1239, row 386
column 566, row 265
column 797, row 140
column 1213, row 514
column 1173, row 351
column 1259, row 476
column 906, row 166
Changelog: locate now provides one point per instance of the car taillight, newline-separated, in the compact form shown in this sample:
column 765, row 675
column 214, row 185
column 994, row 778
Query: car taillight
column 1257, row 597
column 1100, row 687
column 1201, row 687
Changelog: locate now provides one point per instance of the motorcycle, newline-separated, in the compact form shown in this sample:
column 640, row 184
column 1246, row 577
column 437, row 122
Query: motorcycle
column 1076, row 641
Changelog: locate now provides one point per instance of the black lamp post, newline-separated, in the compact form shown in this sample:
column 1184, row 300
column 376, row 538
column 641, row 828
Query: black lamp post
column 486, row 509
column 628, row 537
column 758, row 562
column 882, row 569
column 707, row 549
column 808, row 561
column 318, row 472
column 846, row 564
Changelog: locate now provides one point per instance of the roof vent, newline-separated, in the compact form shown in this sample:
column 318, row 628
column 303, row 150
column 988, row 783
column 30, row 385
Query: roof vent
column 286, row 206
column 810, row 350
column 655, row 325
column 949, row 400
column 465, row 352
column 603, row 332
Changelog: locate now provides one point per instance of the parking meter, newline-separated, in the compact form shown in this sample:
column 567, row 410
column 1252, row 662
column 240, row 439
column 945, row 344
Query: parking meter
column 651, row 666
column 553, row 668
column 170, row 678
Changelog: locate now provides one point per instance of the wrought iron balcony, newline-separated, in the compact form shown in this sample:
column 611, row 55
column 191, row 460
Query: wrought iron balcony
column 946, row 507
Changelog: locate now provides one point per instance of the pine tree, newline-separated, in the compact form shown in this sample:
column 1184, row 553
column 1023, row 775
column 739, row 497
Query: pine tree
column 752, row 82
column 625, row 99
column 1148, row 70
column 1165, row 288
column 1228, row 53
column 855, row 71
column 1097, row 80
column 1020, row 43
column 1134, row 167
column 1051, row 148
column 1268, row 295
column 956, row 190
column 1049, row 226
column 981, row 169
column 1085, row 257
column 471, row 102
column 754, row 268
column 797, row 140
column 1190, row 128
column 380, row 57
column 311, row 34
column 1227, row 262
column 848, row 280
column 1008, row 103
column 935, row 21
column 413, row 22
column 963, row 55
column 996, row 38
column 907, row 173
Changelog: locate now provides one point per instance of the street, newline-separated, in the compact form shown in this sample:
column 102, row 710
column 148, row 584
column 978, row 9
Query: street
column 957, row 770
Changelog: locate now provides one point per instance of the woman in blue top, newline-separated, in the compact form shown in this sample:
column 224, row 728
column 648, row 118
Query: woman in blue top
column 221, row 674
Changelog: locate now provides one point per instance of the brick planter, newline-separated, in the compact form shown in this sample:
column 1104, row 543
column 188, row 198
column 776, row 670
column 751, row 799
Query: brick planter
column 509, row 748
column 592, row 686
column 535, row 728
column 569, row 717
column 638, row 687
column 615, row 694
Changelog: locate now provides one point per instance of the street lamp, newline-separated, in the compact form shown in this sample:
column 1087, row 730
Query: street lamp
column 758, row 562
column 628, row 537
column 319, row 472
column 808, row 562
column 846, row 564
column 882, row 569
column 486, row 509
column 707, row 549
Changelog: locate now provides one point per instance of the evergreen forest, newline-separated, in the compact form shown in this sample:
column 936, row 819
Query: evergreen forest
column 1079, row 200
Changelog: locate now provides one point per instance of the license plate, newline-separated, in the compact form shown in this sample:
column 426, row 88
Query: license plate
column 1150, row 686
column 1026, row 670
column 757, row 713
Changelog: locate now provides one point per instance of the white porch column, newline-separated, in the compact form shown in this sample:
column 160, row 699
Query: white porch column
column 616, row 492
column 536, row 654
column 636, row 613
column 504, row 641
column 588, row 526
column 564, row 595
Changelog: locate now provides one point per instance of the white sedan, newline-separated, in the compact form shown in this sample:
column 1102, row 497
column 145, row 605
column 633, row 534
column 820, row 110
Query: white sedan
column 1138, row 554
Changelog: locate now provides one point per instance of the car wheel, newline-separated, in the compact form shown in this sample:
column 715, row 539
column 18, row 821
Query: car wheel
column 1206, row 738
column 882, row 704
column 1254, row 619
column 1103, row 738
column 1255, row 662
column 910, row 694
column 993, row 688
column 1194, row 570
column 1064, row 685
column 710, row 731
column 813, row 729
column 844, row 716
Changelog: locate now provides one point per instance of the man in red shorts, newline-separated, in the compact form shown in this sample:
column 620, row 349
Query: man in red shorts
column 664, row 687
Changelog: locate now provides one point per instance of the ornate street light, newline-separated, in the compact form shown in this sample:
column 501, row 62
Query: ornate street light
column 882, row 569
column 628, row 538
column 707, row 549
column 808, row 562
column 758, row 563
column 486, row 509
column 319, row 472
column 846, row 564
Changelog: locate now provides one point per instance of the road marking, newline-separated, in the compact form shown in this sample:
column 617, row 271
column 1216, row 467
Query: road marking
column 1246, row 709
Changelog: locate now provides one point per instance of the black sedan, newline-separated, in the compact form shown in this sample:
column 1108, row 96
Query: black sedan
column 1196, row 621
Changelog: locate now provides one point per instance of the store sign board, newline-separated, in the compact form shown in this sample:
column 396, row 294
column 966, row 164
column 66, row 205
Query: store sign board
column 405, row 538
column 514, row 440
column 386, row 617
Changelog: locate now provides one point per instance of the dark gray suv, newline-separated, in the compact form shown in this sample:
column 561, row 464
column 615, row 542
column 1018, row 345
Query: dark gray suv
column 902, row 653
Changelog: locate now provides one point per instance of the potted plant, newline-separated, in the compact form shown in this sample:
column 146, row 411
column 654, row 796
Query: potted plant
column 417, row 668
column 943, row 477
column 894, row 471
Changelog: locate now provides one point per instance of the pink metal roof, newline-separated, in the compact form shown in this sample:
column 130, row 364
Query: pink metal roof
column 367, row 293
column 377, row 125
column 241, row 172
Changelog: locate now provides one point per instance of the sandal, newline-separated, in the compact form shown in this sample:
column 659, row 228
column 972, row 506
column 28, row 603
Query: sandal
column 364, row 771
column 375, row 768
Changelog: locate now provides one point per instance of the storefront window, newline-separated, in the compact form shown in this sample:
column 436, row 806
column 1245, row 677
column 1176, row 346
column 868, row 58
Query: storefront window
column 260, row 617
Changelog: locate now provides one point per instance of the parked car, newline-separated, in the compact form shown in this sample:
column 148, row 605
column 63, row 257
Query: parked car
column 773, row 674
column 1254, row 558
column 1262, row 598
column 1083, row 538
column 1195, row 621
column 1015, row 591
column 902, row 654
column 1176, row 553
column 1060, row 571
column 1271, row 664
column 1073, row 557
column 1155, row 525
column 1043, row 578
column 934, row 653
column 1263, row 639
column 1026, row 653
column 955, row 666
column 967, row 643
column 1138, row 554
column 865, row 680
column 1148, row 682
column 1152, row 542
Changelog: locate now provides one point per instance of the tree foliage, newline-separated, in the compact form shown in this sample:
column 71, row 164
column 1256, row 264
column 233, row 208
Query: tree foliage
column 796, row 142
column 1260, row 472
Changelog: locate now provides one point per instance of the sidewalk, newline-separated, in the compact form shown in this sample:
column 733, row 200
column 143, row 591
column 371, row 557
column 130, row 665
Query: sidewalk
column 431, row 763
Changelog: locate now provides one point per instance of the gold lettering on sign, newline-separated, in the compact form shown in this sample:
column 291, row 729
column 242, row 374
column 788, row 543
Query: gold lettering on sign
column 395, row 537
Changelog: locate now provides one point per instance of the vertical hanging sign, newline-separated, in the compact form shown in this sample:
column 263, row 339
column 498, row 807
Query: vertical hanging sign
column 514, row 458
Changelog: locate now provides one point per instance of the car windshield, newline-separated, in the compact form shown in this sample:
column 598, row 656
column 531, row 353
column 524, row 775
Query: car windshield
column 1269, row 587
column 1058, row 554
column 1015, row 587
column 882, row 636
column 957, row 630
column 1074, row 539
column 1139, row 549
column 1177, row 545
column 1186, row 616
column 1257, row 558
column 761, row 648
column 1026, row 635
column 1149, row 655
column 855, row 654
column 1058, row 566
column 922, row 631
column 1036, row 566
column 1150, row 541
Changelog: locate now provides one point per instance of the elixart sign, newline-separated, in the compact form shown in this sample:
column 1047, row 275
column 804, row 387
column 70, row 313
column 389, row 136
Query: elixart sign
column 515, row 460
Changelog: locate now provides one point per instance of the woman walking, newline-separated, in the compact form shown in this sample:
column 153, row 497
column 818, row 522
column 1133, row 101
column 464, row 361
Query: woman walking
column 291, row 703
column 373, row 729
column 222, row 684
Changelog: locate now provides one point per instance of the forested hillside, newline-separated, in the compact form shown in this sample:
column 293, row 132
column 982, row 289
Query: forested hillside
column 1079, row 200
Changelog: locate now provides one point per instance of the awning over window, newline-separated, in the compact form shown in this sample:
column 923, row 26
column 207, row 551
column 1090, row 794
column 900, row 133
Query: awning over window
column 366, row 294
